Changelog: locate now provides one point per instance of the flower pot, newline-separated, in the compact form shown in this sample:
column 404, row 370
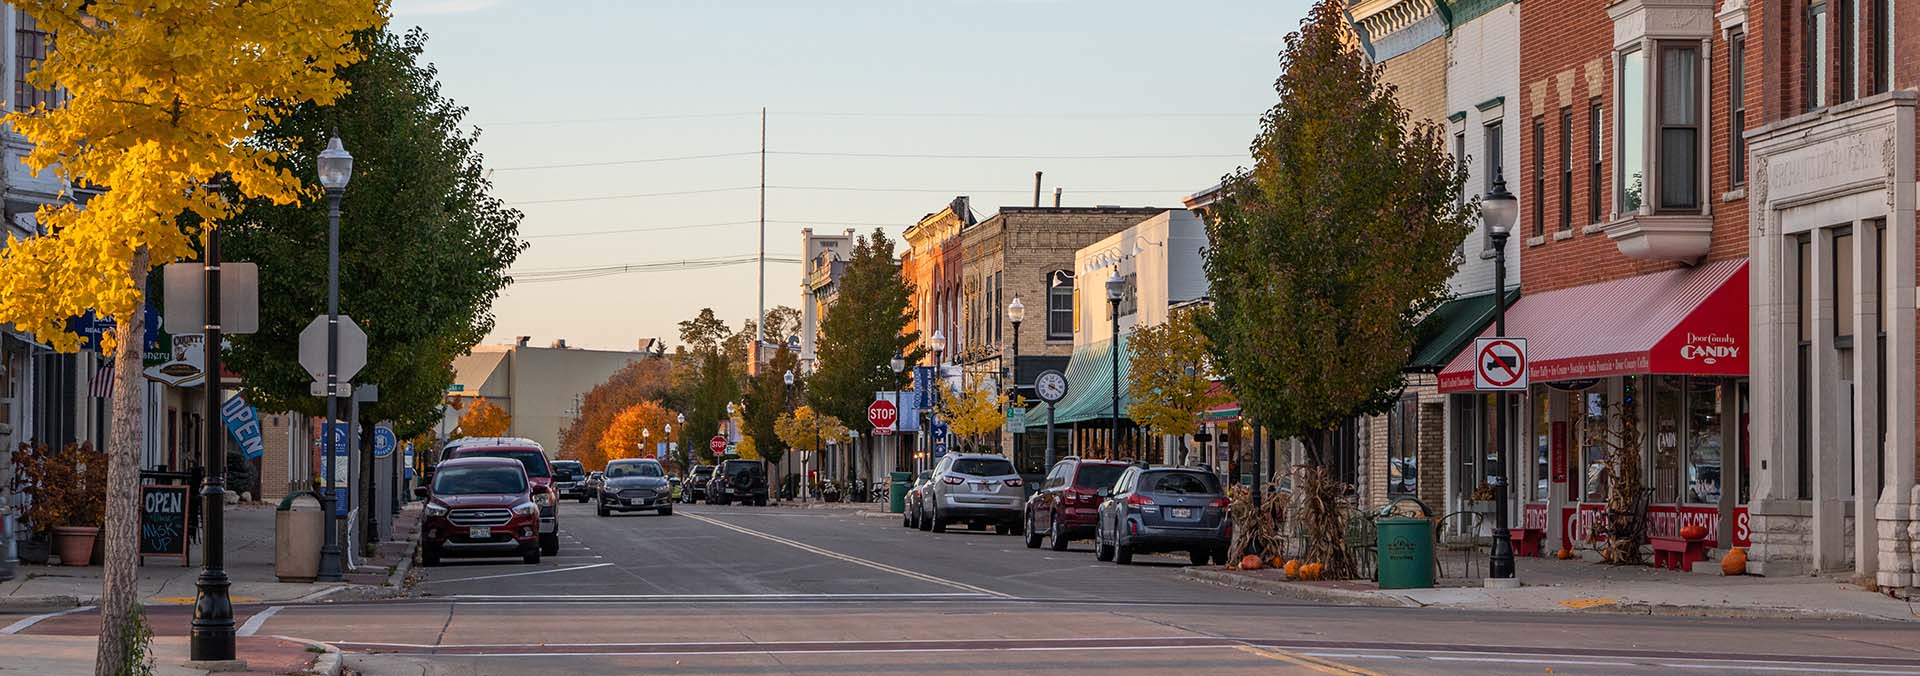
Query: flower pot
column 35, row 550
column 75, row 544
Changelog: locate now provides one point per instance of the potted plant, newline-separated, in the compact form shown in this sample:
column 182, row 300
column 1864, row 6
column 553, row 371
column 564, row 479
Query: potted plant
column 1481, row 500
column 67, row 495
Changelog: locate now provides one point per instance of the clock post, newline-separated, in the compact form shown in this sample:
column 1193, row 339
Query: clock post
column 1051, row 386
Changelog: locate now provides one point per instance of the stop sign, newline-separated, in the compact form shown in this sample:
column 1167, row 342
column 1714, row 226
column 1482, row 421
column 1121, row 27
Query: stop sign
column 718, row 444
column 882, row 414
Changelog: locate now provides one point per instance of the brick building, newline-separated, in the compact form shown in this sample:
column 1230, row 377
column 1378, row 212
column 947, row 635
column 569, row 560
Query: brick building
column 934, row 247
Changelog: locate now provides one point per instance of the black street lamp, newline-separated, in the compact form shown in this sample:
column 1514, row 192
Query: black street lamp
column 939, row 344
column 1116, row 286
column 899, row 364
column 786, row 460
column 335, row 167
column 1016, row 313
column 211, row 638
column 1498, row 211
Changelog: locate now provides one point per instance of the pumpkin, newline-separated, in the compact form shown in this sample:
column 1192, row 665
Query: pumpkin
column 1277, row 562
column 1312, row 571
column 1292, row 568
column 1735, row 562
column 1250, row 562
column 1693, row 532
column 1564, row 553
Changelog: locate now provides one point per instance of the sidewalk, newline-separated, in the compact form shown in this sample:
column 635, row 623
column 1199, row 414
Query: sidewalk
column 877, row 510
column 1581, row 586
column 73, row 656
column 249, row 559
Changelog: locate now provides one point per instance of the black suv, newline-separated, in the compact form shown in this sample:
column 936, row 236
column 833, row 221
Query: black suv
column 744, row 481
column 694, row 489
column 570, row 479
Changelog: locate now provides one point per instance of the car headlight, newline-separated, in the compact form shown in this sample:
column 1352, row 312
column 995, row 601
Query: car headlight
column 543, row 499
column 526, row 509
column 436, row 510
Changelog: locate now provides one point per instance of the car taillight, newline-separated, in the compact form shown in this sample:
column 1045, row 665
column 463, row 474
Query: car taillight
column 1218, row 502
column 1016, row 483
column 952, row 480
column 1138, row 499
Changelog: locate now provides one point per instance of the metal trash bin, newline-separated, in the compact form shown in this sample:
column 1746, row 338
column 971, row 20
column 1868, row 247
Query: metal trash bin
column 897, row 492
column 1406, row 552
column 297, row 525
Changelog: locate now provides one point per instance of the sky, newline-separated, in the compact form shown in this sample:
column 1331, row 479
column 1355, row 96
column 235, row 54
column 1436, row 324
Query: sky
column 642, row 117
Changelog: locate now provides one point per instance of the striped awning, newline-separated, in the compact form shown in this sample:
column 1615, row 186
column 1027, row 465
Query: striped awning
column 1678, row 322
column 1090, row 374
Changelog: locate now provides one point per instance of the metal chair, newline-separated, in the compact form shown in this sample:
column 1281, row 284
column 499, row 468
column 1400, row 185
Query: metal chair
column 1363, row 543
column 1464, row 537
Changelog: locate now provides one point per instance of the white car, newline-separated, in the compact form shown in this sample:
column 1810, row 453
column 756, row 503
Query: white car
column 976, row 489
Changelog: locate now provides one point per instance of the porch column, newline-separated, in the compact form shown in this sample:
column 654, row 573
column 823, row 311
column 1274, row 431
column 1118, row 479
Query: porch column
column 1832, row 464
column 1866, row 398
column 1897, row 509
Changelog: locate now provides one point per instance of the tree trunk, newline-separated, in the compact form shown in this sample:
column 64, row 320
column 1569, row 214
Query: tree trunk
column 119, row 591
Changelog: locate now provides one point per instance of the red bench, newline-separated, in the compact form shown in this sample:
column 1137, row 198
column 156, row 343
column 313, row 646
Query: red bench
column 1677, row 553
column 1526, row 541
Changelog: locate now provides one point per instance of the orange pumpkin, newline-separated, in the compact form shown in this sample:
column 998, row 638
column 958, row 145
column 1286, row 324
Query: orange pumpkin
column 1312, row 571
column 1277, row 562
column 1564, row 553
column 1693, row 532
column 1735, row 562
column 1250, row 562
column 1292, row 568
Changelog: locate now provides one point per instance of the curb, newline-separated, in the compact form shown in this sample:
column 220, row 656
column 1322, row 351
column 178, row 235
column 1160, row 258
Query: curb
column 1733, row 612
column 329, row 661
column 1307, row 591
column 35, row 604
column 877, row 515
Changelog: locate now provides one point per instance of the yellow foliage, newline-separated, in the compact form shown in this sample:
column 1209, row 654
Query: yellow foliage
column 747, row 449
column 637, row 425
column 973, row 413
column 805, row 430
column 163, row 95
column 1168, row 382
column 483, row 419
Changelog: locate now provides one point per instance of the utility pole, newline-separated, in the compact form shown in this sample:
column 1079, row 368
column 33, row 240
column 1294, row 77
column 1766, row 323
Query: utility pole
column 760, row 317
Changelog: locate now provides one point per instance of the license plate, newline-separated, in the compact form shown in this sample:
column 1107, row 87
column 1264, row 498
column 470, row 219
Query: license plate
column 636, row 501
column 480, row 532
column 1181, row 512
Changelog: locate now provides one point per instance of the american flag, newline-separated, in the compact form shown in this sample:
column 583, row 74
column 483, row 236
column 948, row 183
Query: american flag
column 103, row 380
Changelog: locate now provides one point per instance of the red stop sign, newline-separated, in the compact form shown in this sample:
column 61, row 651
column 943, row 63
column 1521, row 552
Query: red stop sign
column 882, row 414
column 719, row 444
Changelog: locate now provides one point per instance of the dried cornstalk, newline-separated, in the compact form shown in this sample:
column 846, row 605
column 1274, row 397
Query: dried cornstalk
column 1320, row 508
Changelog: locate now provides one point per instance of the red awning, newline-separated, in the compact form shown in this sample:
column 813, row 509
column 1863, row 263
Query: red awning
column 1679, row 322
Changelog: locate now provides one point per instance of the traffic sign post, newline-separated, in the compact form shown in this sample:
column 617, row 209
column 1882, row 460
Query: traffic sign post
column 1500, row 364
column 718, row 445
column 883, row 414
column 313, row 349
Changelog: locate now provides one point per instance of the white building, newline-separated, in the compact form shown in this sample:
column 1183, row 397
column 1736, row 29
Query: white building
column 826, row 259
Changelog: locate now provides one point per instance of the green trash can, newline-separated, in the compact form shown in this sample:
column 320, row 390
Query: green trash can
column 897, row 492
column 1406, row 552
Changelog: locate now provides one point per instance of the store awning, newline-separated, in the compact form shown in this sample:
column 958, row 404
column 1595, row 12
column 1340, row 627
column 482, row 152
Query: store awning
column 1227, row 411
column 1679, row 322
column 1089, row 385
column 1451, row 326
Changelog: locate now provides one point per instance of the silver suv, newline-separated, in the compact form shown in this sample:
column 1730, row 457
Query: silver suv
column 976, row 489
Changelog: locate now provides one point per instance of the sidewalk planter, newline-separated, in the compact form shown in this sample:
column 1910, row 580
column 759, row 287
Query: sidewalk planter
column 75, row 544
column 36, row 550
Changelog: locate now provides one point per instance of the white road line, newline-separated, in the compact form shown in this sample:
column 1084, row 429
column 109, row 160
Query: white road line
column 710, row 597
column 529, row 572
column 26, row 622
column 816, row 642
column 850, row 651
column 923, row 577
column 258, row 620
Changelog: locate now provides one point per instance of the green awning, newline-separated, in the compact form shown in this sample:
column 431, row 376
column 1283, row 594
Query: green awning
column 1089, row 386
column 1444, row 332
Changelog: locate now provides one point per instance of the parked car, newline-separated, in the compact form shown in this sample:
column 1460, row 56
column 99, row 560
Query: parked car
column 479, row 507
column 1067, row 506
column 634, row 484
column 539, row 473
column 593, row 481
column 695, row 487
column 744, row 481
column 1163, row 509
column 976, row 489
column 914, row 498
column 570, row 480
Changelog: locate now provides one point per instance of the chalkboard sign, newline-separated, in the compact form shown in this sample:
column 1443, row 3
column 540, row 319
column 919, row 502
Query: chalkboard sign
column 163, row 521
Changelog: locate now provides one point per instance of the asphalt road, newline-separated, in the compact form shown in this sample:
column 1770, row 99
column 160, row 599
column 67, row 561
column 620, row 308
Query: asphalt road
column 726, row 590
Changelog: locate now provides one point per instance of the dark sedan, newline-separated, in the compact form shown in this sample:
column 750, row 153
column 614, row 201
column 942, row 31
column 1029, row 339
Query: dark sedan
column 1154, row 509
column 633, row 485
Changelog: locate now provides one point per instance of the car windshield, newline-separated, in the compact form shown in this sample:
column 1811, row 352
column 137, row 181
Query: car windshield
column 533, row 460
column 982, row 466
column 703, row 471
column 566, row 469
column 620, row 469
column 490, row 480
column 1179, row 483
column 1097, row 476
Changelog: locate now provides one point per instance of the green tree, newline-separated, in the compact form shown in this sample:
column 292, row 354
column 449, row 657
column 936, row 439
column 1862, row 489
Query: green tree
column 868, row 324
column 1169, row 386
column 1327, row 252
column 767, row 397
column 712, row 388
column 419, row 187
column 705, row 332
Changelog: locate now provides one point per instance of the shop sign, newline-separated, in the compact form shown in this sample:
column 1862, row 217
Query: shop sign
column 1534, row 515
column 1742, row 528
column 1558, row 456
column 1667, row 520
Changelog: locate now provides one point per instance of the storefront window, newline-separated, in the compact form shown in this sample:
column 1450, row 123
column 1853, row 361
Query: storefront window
column 1542, row 443
column 1593, row 459
column 1633, row 129
column 1667, row 409
column 1703, row 440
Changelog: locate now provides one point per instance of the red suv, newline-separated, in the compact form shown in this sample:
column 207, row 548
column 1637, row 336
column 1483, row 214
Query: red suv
column 1067, row 506
column 539, row 474
column 480, row 507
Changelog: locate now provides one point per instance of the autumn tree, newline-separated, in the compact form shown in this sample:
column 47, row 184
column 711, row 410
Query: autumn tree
column 483, row 419
column 974, row 414
column 807, row 431
column 783, row 324
column 1326, row 253
column 637, row 426
column 1169, row 386
column 161, row 98
column 643, row 380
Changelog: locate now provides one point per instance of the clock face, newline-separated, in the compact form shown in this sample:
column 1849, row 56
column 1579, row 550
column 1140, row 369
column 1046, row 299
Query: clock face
column 1051, row 386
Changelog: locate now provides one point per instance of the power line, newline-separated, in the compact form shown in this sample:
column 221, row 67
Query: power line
column 875, row 114
column 621, row 231
column 939, row 156
column 625, row 118
column 969, row 192
column 613, row 163
column 595, row 198
column 575, row 274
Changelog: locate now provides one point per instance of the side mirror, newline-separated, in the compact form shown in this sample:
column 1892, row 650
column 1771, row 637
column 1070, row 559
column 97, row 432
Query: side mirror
column 1104, row 492
column 420, row 492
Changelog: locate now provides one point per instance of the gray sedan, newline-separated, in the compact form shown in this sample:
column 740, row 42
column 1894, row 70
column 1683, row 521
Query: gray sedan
column 1163, row 510
column 634, row 485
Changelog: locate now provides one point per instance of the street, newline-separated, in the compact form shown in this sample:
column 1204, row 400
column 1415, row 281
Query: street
column 780, row 590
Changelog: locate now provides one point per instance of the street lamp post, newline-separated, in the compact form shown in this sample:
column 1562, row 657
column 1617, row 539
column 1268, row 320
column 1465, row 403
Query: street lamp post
column 681, row 418
column 1116, row 286
column 1016, row 313
column 939, row 345
column 335, row 169
column 788, row 469
column 212, row 633
column 1499, row 210
column 646, row 440
column 898, row 364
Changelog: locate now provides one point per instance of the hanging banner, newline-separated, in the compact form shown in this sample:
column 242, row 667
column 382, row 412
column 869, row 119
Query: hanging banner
column 243, row 424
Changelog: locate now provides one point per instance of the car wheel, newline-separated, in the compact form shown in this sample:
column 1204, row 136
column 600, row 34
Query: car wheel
column 429, row 555
column 666, row 511
column 1101, row 552
column 1123, row 555
column 906, row 519
column 1033, row 536
column 530, row 557
column 601, row 509
column 1220, row 556
column 1059, row 535
column 939, row 524
column 1198, row 557
column 550, row 544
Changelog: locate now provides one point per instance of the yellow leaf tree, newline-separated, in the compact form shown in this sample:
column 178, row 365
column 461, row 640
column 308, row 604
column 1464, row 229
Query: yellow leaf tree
column 806, row 430
column 483, row 419
column 973, row 414
column 644, row 423
column 1168, row 381
column 162, row 96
